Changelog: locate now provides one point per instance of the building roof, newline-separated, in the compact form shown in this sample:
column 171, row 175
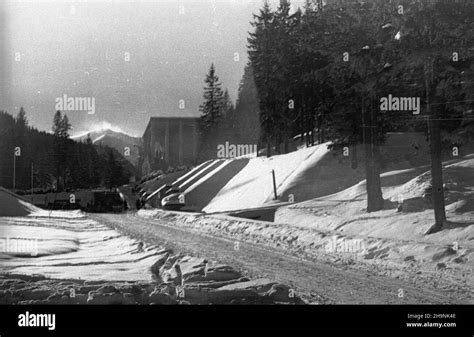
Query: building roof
column 175, row 114
column 181, row 114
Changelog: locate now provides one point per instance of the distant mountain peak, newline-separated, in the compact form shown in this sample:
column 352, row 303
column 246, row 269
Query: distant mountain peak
column 101, row 128
column 114, row 137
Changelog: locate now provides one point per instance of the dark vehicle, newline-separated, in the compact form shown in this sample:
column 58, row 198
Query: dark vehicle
column 107, row 201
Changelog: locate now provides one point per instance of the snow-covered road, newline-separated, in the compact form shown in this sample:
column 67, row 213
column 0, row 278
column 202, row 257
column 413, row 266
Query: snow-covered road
column 315, row 281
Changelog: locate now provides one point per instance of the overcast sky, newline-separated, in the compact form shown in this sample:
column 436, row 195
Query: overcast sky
column 80, row 49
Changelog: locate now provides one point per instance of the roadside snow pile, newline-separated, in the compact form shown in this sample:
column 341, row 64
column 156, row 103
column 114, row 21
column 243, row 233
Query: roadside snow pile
column 13, row 205
column 178, row 279
column 67, row 258
column 389, row 256
column 197, row 281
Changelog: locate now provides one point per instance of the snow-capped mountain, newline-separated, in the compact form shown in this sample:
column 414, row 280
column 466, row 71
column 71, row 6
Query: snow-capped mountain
column 114, row 139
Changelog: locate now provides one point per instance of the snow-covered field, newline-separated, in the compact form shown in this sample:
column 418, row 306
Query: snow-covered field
column 333, row 228
column 65, row 257
column 68, row 245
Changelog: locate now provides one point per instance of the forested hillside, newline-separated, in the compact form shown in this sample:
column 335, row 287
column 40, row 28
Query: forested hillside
column 52, row 160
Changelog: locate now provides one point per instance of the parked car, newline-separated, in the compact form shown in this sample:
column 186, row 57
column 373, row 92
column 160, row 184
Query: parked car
column 173, row 199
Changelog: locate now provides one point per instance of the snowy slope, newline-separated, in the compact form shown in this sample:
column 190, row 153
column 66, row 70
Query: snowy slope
column 14, row 205
column 400, row 235
column 253, row 185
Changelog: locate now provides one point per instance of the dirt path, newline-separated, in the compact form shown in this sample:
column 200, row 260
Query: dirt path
column 312, row 280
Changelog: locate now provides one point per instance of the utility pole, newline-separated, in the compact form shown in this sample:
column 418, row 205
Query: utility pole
column 31, row 181
column 16, row 153
column 14, row 168
column 274, row 185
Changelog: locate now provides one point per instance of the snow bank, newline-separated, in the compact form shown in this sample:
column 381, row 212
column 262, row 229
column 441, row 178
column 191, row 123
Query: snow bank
column 197, row 283
column 384, row 255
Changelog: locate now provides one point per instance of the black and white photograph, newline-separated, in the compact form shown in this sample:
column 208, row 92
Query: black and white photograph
column 307, row 157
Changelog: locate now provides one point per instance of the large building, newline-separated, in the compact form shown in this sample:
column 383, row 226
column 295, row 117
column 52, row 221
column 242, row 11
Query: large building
column 170, row 140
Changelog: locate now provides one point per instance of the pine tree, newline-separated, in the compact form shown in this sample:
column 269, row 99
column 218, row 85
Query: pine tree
column 23, row 163
column 21, row 120
column 271, row 53
column 65, row 127
column 61, row 129
column 57, row 124
column 212, row 113
column 262, row 57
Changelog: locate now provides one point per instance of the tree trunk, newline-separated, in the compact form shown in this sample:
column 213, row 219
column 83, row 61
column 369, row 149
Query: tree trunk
column 269, row 149
column 435, row 154
column 375, row 200
column 372, row 172
column 436, row 175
